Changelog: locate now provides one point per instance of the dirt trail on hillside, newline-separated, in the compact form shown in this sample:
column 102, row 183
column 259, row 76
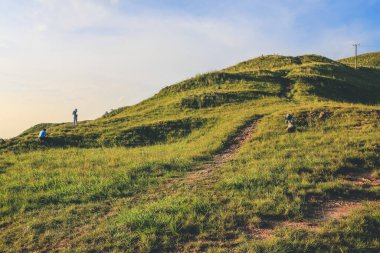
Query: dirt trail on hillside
column 324, row 212
column 364, row 179
column 203, row 171
column 332, row 210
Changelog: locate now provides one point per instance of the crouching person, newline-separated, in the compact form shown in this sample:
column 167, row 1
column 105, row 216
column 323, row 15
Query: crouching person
column 43, row 135
column 289, row 120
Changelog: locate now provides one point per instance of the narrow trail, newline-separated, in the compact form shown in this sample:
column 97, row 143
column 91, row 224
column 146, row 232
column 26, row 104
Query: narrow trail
column 287, row 86
column 365, row 179
column 203, row 171
column 325, row 212
column 332, row 210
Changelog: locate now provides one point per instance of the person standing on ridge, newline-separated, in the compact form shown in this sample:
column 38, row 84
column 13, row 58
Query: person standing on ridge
column 75, row 114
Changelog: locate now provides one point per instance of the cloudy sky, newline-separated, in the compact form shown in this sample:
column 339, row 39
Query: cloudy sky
column 94, row 55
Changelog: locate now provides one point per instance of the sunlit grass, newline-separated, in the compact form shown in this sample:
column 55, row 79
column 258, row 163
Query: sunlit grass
column 81, row 194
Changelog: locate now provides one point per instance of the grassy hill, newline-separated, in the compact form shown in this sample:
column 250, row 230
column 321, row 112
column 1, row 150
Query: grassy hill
column 369, row 60
column 207, row 165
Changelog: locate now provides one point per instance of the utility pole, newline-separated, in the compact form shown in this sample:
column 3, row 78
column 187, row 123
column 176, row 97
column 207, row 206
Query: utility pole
column 356, row 55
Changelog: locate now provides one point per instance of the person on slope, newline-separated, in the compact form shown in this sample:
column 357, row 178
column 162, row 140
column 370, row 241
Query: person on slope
column 42, row 135
column 289, row 120
column 75, row 114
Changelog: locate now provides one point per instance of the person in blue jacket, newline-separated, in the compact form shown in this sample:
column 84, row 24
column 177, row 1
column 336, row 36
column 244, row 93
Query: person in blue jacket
column 42, row 135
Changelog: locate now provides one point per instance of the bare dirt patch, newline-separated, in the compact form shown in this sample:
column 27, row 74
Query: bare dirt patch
column 332, row 210
column 364, row 179
column 324, row 212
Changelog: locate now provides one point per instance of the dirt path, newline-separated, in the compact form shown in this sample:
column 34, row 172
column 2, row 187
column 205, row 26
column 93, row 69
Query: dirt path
column 363, row 179
column 325, row 212
column 203, row 171
column 332, row 210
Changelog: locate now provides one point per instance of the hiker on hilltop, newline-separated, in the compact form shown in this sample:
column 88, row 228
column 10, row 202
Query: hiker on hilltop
column 289, row 120
column 42, row 135
column 75, row 114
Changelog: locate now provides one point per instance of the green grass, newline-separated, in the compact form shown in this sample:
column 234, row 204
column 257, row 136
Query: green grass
column 358, row 233
column 369, row 60
column 110, row 184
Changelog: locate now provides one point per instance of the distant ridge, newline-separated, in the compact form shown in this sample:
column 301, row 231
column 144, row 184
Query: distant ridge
column 368, row 60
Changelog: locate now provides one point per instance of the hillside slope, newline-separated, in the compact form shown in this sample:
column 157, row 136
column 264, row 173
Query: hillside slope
column 368, row 60
column 207, row 165
column 171, row 114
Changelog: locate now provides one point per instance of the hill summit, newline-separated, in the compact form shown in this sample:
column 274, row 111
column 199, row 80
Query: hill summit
column 302, row 78
column 207, row 165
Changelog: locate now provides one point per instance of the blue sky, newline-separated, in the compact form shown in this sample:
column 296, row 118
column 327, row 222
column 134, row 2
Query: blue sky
column 56, row 55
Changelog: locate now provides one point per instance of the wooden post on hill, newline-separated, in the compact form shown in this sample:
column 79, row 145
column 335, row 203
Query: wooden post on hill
column 356, row 55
